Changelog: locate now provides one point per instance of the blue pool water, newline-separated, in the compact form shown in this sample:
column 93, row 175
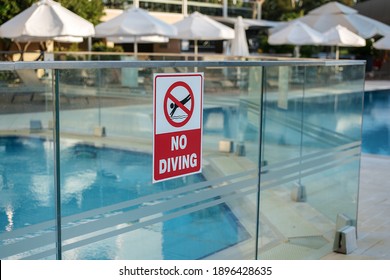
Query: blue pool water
column 376, row 123
column 97, row 177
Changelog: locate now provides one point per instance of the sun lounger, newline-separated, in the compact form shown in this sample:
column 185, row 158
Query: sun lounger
column 31, row 84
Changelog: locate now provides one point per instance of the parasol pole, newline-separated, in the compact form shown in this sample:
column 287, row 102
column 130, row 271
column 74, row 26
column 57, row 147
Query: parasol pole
column 135, row 48
column 196, row 54
column 196, row 49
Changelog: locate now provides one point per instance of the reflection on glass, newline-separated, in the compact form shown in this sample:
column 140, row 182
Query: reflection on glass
column 311, row 132
column 309, row 118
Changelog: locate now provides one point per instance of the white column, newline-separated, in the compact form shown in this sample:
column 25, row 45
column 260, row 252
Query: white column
column 184, row 8
column 259, row 7
column 225, row 8
column 136, row 3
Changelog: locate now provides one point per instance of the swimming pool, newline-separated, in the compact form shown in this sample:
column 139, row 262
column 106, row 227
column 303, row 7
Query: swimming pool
column 376, row 122
column 95, row 177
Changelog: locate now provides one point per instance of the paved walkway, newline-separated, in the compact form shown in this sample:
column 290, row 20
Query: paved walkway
column 376, row 85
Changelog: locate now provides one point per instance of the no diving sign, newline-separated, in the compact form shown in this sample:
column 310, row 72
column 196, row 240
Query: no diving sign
column 177, row 125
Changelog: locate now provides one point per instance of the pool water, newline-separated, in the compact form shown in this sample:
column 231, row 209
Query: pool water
column 96, row 177
column 376, row 123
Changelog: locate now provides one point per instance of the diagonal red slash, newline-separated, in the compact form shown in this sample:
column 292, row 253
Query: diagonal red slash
column 179, row 104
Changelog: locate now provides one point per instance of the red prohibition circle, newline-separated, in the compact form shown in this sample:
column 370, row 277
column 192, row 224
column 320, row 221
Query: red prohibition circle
column 178, row 104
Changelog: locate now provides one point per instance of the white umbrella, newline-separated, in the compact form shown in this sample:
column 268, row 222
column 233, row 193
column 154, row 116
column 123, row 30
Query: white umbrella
column 253, row 23
column 134, row 23
column 333, row 13
column 383, row 43
column 239, row 45
column 340, row 36
column 45, row 20
column 200, row 27
column 68, row 39
column 296, row 33
column 141, row 39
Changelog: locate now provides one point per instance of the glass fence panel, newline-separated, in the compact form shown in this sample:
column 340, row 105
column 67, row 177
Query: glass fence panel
column 27, row 204
column 331, row 144
column 297, row 127
column 311, row 151
column 111, row 208
column 280, row 149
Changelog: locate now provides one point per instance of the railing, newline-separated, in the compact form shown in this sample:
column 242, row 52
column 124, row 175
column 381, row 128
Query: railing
column 16, row 56
column 280, row 153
